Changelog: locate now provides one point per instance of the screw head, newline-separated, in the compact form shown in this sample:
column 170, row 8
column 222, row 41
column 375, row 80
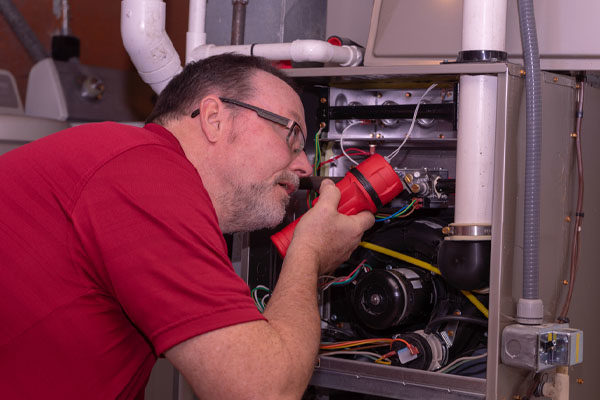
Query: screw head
column 522, row 72
column 580, row 381
column 375, row 299
column 555, row 79
column 323, row 100
column 565, row 282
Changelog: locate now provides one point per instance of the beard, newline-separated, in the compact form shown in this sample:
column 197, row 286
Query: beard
column 253, row 206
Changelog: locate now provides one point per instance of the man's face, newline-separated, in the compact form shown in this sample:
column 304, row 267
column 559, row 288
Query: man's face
column 264, row 171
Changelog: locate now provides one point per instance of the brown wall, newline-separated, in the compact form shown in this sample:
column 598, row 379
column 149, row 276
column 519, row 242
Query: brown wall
column 97, row 25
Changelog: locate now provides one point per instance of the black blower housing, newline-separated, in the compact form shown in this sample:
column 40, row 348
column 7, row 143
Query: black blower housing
column 465, row 264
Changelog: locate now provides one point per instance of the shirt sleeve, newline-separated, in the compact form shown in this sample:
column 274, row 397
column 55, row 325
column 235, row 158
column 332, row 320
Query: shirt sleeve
column 149, row 230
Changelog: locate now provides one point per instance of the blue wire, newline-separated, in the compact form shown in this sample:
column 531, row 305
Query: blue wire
column 394, row 214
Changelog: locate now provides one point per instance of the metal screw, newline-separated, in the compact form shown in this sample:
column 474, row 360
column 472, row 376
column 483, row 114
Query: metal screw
column 567, row 219
column 408, row 178
column 565, row 282
column 333, row 317
column 446, row 230
column 407, row 94
column 441, row 136
column 375, row 299
column 323, row 100
column 574, row 134
column 516, row 397
column 379, row 95
column 555, row 79
column 522, row 72
column 379, row 136
column 580, row 381
column 322, row 125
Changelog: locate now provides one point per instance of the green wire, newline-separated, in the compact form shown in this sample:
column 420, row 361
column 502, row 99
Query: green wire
column 317, row 152
column 312, row 194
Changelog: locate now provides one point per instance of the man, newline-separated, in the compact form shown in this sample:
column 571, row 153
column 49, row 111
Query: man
column 112, row 253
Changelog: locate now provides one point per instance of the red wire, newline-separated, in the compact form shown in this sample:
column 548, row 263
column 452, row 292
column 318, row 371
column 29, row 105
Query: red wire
column 332, row 159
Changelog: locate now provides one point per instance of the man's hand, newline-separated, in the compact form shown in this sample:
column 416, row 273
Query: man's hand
column 328, row 235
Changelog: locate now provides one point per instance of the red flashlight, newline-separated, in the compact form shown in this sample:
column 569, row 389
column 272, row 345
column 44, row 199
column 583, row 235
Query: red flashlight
column 369, row 186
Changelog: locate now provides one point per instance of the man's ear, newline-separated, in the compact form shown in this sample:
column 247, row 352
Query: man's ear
column 212, row 118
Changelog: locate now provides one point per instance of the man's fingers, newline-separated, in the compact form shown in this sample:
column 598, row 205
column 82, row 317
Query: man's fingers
column 365, row 219
column 329, row 193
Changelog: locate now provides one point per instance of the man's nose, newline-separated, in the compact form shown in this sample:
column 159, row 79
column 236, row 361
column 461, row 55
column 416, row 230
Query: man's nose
column 301, row 166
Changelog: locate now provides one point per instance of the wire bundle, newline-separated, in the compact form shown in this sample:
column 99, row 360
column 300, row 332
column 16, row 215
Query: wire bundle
column 462, row 363
column 352, row 347
column 403, row 212
column 344, row 280
column 260, row 302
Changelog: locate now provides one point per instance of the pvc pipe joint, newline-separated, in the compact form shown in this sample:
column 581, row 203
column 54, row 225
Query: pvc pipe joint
column 298, row 51
column 147, row 42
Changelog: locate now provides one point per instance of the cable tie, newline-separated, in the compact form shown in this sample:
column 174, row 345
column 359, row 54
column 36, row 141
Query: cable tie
column 579, row 214
column 252, row 49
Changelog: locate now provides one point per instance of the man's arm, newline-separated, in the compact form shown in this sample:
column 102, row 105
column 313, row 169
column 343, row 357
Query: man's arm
column 274, row 358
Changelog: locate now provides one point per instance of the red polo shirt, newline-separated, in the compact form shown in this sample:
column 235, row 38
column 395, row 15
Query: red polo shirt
column 110, row 254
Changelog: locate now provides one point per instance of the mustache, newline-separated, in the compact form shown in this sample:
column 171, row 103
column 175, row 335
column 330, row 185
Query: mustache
column 289, row 178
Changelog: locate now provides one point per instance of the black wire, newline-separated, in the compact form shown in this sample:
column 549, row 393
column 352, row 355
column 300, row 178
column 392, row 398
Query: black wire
column 449, row 318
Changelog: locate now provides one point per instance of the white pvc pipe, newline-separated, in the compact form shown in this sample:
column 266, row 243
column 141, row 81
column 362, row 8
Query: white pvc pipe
column 147, row 42
column 484, row 25
column 196, row 34
column 475, row 149
column 298, row 51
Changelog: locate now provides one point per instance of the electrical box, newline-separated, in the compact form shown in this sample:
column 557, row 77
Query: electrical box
column 540, row 347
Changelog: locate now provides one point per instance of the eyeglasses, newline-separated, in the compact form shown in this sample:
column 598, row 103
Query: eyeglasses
column 295, row 138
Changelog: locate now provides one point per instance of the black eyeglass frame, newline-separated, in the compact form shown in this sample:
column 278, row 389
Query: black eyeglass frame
column 290, row 124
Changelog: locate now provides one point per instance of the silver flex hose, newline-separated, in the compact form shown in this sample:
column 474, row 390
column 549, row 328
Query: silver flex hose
column 21, row 28
column 531, row 229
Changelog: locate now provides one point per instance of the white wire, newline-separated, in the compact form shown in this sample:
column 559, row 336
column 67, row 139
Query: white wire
column 262, row 301
column 412, row 125
column 461, row 361
column 342, row 141
column 353, row 352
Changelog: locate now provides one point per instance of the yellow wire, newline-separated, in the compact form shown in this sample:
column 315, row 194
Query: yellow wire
column 476, row 302
column 424, row 265
column 400, row 256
